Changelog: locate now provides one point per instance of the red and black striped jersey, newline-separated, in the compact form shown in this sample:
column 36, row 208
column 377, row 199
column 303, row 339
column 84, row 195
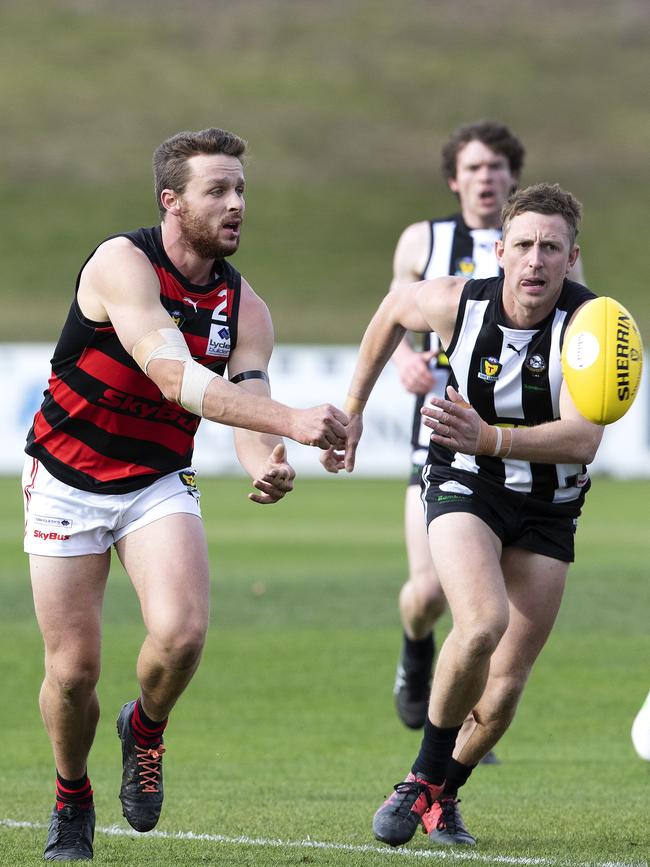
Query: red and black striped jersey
column 103, row 425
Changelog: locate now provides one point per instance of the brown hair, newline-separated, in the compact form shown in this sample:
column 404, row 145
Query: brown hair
column 544, row 199
column 495, row 135
column 170, row 158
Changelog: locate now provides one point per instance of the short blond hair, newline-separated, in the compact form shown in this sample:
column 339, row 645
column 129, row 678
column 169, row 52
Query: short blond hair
column 544, row 199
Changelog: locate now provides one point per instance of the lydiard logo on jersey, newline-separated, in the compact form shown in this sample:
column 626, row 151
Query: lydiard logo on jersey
column 490, row 369
column 465, row 267
column 219, row 341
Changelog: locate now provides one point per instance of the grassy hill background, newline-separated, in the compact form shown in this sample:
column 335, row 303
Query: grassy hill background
column 345, row 104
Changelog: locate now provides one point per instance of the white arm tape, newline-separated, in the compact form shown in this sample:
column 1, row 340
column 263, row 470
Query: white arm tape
column 196, row 379
column 169, row 343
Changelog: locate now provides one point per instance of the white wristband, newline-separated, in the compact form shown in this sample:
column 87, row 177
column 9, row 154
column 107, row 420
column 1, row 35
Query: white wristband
column 497, row 445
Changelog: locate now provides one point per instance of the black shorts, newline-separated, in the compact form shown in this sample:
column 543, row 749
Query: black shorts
column 415, row 477
column 518, row 520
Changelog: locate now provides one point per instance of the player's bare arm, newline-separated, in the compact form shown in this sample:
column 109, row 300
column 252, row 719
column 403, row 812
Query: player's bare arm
column 262, row 455
column 409, row 262
column 398, row 312
column 120, row 285
column 571, row 439
column 411, row 254
column 438, row 302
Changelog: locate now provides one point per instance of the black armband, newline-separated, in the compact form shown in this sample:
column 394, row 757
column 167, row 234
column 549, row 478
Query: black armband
column 250, row 374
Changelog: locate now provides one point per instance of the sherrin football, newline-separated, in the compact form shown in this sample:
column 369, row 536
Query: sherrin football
column 602, row 358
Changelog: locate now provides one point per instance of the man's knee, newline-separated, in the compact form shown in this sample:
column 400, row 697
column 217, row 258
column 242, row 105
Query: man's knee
column 73, row 680
column 181, row 648
column 422, row 594
column 480, row 639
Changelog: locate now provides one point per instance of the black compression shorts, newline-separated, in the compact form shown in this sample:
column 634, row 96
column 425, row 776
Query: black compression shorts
column 517, row 519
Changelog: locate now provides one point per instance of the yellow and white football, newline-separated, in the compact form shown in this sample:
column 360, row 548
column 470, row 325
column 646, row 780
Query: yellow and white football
column 602, row 358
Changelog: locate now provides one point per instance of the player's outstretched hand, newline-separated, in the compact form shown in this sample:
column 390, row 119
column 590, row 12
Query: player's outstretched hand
column 277, row 480
column 334, row 459
column 454, row 423
column 414, row 372
column 322, row 426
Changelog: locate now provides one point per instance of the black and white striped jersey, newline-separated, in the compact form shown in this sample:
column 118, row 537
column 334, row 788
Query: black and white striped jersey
column 459, row 251
column 512, row 377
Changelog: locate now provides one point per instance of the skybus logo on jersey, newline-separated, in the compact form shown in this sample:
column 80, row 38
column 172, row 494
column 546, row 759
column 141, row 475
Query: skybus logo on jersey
column 51, row 536
column 142, row 408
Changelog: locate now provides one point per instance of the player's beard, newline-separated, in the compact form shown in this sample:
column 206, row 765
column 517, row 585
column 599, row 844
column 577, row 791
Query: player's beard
column 199, row 237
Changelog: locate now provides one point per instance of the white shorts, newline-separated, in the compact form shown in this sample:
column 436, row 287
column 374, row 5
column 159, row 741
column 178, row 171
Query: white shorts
column 61, row 521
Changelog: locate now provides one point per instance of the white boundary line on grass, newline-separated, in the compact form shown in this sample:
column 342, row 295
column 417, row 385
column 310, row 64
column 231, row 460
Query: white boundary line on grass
column 439, row 854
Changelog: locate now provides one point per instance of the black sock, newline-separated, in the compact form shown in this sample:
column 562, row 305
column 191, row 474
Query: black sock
column 435, row 752
column 418, row 653
column 146, row 731
column 457, row 775
column 76, row 792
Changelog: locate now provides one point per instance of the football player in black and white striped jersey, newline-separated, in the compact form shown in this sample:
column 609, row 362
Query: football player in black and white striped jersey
column 481, row 163
column 502, row 510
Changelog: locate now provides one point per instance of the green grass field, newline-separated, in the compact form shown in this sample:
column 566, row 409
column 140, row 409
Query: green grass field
column 286, row 741
column 345, row 105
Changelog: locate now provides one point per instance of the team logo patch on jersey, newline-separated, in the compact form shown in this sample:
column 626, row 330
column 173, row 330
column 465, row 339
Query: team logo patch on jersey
column 219, row 341
column 178, row 318
column 465, row 267
column 490, row 369
column 536, row 365
column 188, row 478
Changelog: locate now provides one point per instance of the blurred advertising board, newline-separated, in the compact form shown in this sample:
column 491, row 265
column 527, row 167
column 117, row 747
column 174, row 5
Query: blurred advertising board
column 303, row 376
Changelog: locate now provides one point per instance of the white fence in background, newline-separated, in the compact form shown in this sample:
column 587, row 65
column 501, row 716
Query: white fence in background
column 303, row 376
